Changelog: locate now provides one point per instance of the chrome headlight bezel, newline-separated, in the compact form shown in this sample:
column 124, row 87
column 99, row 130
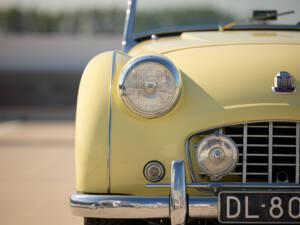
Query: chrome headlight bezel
column 155, row 59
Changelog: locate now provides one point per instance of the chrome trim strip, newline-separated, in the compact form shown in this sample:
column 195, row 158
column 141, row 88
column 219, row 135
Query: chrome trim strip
column 232, row 185
column 245, row 142
column 297, row 152
column 270, row 152
column 188, row 159
column 178, row 200
column 128, row 42
column 109, row 120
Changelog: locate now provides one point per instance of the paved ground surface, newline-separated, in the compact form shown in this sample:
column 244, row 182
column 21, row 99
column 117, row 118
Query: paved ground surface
column 36, row 173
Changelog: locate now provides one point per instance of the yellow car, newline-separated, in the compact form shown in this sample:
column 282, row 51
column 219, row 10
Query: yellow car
column 193, row 122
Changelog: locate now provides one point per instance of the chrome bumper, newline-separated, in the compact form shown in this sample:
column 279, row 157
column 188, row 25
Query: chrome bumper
column 137, row 207
column 178, row 206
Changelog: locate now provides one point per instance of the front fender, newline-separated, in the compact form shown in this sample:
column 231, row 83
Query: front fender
column 92, row 118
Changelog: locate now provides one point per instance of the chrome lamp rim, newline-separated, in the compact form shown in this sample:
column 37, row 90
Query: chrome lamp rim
column 218, row 176
column 156, row 59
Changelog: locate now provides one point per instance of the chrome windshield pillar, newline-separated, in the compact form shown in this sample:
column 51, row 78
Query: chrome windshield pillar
column 178, row 198
column 128, row 41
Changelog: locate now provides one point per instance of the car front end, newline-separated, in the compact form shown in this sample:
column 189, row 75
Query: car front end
column 196, row 125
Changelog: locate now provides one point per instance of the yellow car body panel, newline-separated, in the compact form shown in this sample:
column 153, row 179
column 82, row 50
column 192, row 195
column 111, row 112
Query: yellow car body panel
column 225, row 81
column 91, row 135
column 213, row 38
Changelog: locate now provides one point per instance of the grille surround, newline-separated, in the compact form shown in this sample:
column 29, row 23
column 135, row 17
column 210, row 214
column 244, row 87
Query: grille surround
column 267, row 146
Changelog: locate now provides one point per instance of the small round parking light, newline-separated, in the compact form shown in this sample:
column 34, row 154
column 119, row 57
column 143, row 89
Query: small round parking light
column 154, row 171
column 217, row 155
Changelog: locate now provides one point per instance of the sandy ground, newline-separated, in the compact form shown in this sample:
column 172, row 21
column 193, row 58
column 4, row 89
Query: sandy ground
column 36, row 173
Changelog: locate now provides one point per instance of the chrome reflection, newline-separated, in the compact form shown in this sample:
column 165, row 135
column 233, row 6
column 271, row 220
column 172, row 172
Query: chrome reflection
column 206, row 205
column 178, row 199
column 118, row 206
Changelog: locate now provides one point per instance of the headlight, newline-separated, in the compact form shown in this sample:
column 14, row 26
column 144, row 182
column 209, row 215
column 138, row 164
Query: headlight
column 217, row 155
column 150, row 86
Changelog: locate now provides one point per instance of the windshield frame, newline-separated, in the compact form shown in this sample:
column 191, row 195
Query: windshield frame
column 130, row 39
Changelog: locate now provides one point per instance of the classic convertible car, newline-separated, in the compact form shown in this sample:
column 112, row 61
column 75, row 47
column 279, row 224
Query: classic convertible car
column 192, row 123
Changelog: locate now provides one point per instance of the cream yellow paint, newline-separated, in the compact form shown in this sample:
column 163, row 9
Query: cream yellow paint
column 215, row 38
column 223, row 83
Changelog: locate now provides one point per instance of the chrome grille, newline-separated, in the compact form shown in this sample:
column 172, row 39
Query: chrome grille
column 265, row 149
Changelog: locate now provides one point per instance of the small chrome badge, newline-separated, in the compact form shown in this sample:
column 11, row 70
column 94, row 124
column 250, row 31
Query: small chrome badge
column 283, row 83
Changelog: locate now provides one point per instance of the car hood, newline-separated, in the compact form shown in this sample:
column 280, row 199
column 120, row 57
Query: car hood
column 227, row 77
column 212, row 38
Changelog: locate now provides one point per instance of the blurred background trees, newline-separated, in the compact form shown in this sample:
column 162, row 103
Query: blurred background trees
column 106, row 20
column 16, row 20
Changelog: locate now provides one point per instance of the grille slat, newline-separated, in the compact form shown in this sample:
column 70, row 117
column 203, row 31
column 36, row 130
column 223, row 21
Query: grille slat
column 262, row 155
column 260, row 145
column 252, row 174
column 284, row 136
column 285, row 146
column 284, row 164
column 284, row 155
column 265, row 150
column 236, row 173
column 253, row 145
column 240, row 173
column 285, row 127
column 270, row 158
column 297, row 153
column 245, row 134
column 253, row 164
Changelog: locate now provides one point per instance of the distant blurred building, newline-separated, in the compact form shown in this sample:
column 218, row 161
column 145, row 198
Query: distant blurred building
column 45, row 70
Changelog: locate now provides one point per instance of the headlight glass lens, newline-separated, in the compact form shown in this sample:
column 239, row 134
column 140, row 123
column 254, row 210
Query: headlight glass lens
column 150, row 87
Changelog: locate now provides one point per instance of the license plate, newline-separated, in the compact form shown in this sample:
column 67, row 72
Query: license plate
column 259, row 207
